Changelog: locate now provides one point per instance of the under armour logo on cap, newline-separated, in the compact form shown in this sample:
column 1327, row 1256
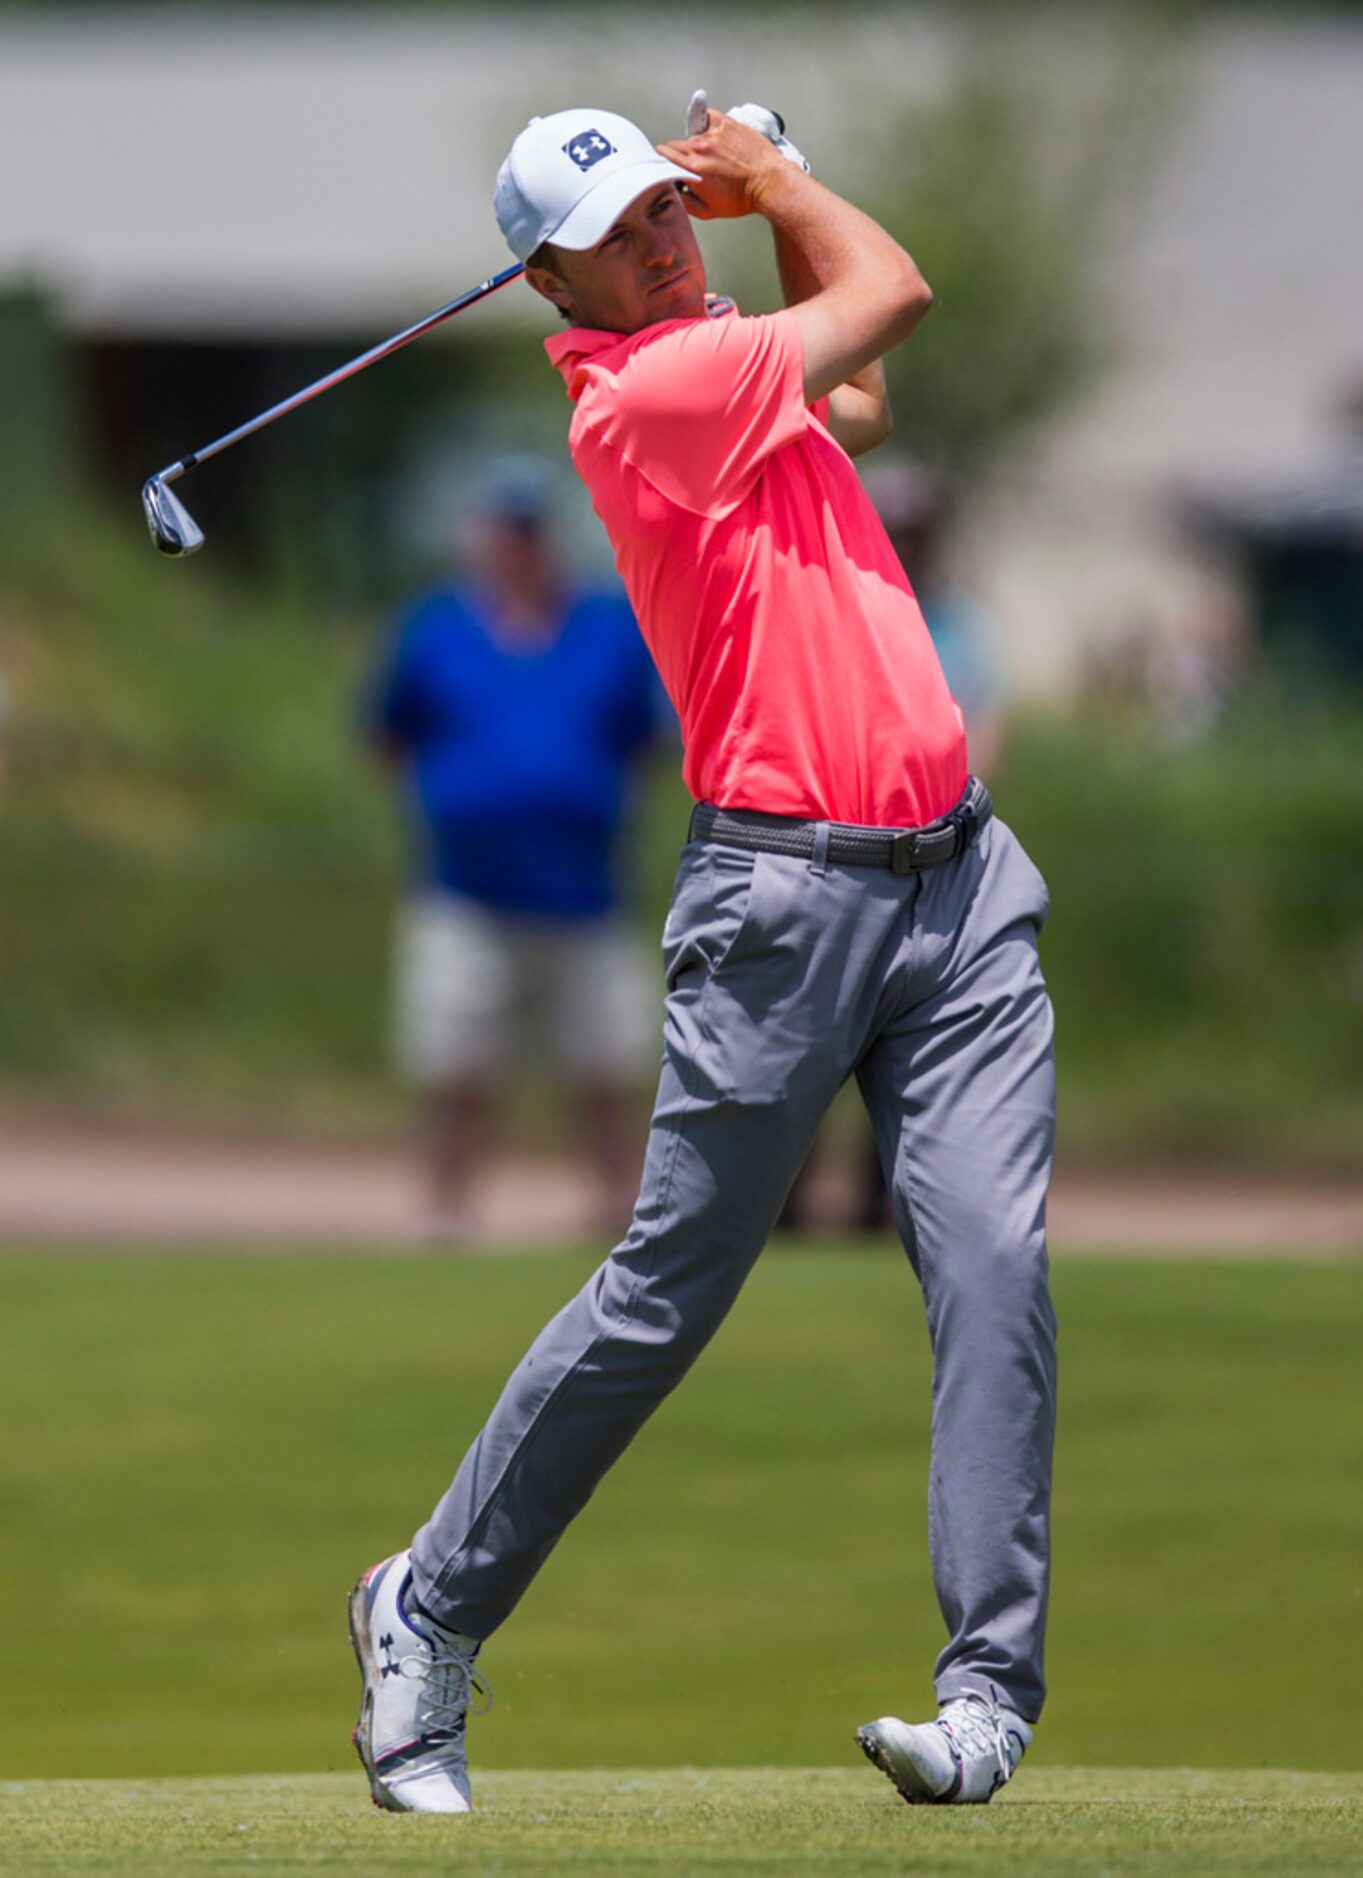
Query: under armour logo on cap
column 588, row 148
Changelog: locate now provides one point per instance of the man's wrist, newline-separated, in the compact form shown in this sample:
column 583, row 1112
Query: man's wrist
column 778, row 187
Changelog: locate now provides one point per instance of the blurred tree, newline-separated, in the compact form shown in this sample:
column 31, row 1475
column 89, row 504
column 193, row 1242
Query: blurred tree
column 36, row 435
column 1009, row 261
column 1007, row 187
column 1006, row 191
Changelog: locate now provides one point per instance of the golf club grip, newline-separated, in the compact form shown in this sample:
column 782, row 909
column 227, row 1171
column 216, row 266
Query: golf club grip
column 348, row 370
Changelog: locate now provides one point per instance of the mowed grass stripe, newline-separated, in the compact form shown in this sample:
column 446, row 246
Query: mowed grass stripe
column 791, row 1821
column 202, row 1454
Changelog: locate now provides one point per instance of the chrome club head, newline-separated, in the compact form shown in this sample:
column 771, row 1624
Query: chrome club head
column 172, row 527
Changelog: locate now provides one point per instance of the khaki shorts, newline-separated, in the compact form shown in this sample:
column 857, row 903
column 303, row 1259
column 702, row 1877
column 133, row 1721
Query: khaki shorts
column 473, row 984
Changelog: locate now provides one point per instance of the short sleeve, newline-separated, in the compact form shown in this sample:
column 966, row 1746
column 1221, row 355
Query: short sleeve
column 389, row 705
column 699, row 409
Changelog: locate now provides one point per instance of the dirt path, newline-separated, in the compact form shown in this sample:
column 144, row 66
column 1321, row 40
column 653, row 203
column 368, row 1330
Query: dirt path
column 62, row 1182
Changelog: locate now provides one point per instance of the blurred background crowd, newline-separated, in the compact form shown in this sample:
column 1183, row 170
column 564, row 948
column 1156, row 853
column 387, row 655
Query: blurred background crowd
column 1126, row 480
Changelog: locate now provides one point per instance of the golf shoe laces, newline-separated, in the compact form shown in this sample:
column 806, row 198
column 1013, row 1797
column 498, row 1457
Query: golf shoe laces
column 975, row 1726
column 452, row 1682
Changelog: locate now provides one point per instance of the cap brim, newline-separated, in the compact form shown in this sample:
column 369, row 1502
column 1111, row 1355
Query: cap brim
column 591, row 219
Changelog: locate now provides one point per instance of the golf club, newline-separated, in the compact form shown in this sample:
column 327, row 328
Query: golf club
column 170, row 523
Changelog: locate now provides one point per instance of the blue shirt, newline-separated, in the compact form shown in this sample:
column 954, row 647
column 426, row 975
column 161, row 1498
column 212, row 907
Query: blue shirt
column 517, row 756
column 964, row 641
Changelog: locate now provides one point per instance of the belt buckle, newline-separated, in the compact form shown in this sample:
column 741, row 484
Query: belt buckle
column 903, row 851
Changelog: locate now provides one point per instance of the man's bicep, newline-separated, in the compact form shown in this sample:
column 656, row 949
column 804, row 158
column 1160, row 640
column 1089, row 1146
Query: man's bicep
column 859, row 412
column 837, row 343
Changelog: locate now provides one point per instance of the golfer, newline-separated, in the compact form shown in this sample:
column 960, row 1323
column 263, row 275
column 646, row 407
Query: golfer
column 846, row 904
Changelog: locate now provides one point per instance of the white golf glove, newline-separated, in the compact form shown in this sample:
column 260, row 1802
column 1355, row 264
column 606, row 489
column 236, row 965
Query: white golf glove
column 757, row 117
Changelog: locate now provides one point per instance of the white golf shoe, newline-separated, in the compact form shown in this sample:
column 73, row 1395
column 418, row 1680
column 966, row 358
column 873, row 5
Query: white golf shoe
column 417, row 1682
column 961, row 1759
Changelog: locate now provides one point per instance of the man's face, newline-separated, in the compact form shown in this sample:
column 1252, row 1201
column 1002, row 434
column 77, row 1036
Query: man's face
column 645, row 269
column 514, row 551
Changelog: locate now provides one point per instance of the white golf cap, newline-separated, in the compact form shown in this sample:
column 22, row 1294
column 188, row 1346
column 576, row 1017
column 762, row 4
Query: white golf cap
column 569, row 176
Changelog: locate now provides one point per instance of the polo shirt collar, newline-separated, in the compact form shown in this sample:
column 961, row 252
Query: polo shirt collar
column 573, row 348
column 569, row 350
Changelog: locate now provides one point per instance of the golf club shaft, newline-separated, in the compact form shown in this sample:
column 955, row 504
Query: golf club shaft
column 342, row 372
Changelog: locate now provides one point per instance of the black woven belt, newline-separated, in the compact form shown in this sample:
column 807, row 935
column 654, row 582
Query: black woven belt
column 902, row 850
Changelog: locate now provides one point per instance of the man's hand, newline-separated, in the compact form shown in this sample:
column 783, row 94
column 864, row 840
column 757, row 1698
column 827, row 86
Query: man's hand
column 736, row 166
column 773, row 127
column 756, row 116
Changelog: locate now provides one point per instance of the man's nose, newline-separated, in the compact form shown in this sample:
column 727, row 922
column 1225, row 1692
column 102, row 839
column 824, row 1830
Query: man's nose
column 661, row 248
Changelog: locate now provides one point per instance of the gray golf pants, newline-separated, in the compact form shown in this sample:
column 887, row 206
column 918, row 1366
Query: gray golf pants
column 784, row 977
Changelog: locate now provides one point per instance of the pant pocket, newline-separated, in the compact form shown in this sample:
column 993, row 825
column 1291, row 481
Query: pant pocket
column 709, row 907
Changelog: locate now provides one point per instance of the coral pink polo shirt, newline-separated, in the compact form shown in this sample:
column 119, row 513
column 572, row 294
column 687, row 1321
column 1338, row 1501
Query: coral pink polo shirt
column 775, row 608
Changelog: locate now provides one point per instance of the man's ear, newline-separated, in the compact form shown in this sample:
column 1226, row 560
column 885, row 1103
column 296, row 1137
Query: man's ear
column 548, row 284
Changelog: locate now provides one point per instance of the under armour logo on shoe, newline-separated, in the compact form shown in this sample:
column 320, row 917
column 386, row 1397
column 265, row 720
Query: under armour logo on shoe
column 589, row 148
column 392, row 1667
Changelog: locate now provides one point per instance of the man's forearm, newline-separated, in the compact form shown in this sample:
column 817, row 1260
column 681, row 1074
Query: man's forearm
column 830, row 252
column 825, row 237
column 859, row 409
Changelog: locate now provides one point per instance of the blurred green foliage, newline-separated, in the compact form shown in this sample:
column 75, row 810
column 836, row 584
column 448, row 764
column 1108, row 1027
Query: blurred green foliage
column 1008, row 236
column 1205, row 947
column 37, row 434
column 198, row 870
column 194, row 867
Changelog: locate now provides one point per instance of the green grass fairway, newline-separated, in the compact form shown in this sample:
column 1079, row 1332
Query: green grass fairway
column 809, row 1821
column 203, row 1451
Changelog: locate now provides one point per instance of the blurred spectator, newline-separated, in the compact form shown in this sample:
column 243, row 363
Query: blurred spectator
column 514, row 705
column 917, row 518
column 912, row 504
